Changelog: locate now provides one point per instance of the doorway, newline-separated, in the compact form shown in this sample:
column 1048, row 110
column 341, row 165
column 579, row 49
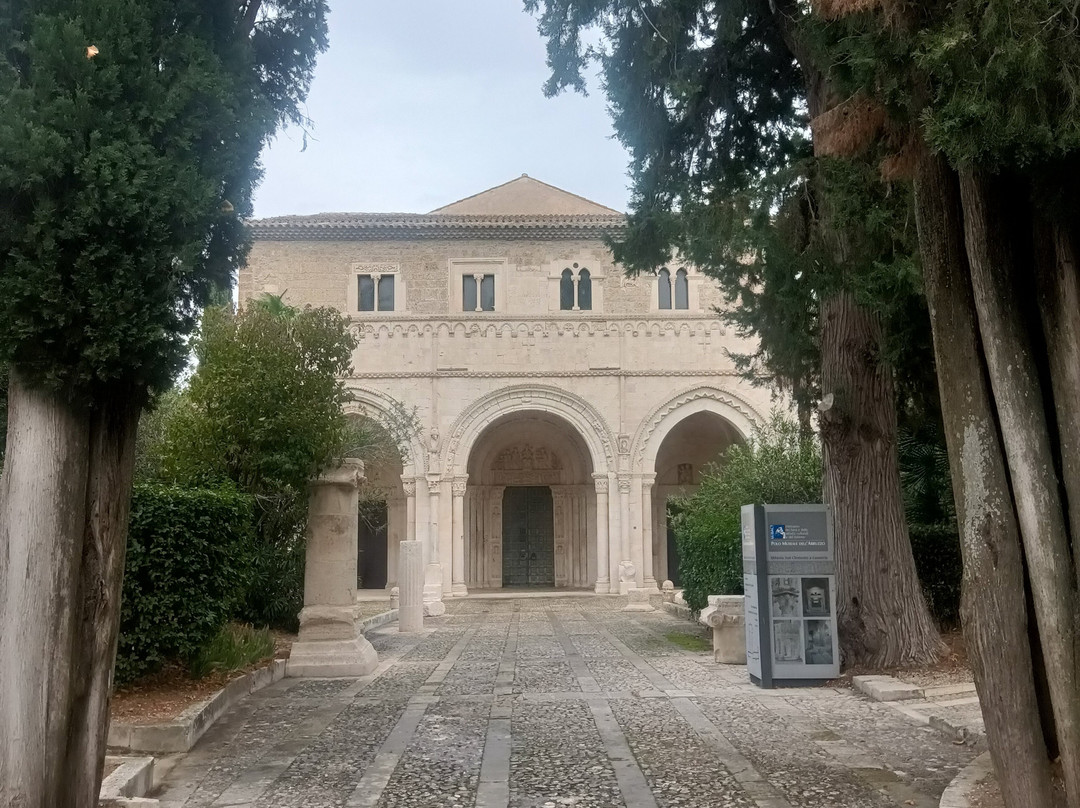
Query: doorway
column 371, row 546
column 528, row 536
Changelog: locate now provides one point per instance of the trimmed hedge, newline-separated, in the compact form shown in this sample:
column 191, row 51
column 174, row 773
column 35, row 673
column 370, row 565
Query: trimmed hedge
column 187, row 569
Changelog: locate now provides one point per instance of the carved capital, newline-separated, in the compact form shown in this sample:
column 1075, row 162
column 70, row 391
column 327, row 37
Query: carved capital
column 459, row 485
column 624, row 485
column 601, row 482
column 433, row 483
column 409, row 487
column 647, row 481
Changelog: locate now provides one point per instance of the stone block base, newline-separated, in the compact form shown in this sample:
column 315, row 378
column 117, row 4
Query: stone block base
column 725, row 616
column 330, row 658
column 639, row 601
column 729, row 644
column 434, row 608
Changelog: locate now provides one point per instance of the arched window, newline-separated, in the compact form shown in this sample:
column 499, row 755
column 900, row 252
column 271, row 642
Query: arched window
column 566, row 290
column 663, row 284
column 682, row 290
column 584, row 290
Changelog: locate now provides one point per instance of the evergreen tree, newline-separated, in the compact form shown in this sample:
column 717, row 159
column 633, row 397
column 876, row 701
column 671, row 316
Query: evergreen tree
column 713, row 100
column 129, row 151
column 983, row 97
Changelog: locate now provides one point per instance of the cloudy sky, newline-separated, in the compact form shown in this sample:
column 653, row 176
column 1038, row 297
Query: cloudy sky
column 422, row 102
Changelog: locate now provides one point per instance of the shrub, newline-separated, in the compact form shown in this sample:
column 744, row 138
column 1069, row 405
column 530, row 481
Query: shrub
column 779, row 465
column 186, row 571
column 940, row 568
column 235, row 646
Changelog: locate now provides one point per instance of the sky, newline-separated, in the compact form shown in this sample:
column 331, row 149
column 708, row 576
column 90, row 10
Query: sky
column 418, row 103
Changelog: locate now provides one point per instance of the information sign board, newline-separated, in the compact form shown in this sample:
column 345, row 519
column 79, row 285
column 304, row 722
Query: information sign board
column 789, row 579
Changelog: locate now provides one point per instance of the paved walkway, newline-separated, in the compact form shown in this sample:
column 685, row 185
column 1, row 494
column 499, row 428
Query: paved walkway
column 542, row 703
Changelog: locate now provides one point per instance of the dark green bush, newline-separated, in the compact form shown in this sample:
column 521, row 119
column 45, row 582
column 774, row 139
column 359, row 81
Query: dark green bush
column 778, row 465
column 187, row 569
column 940, row 568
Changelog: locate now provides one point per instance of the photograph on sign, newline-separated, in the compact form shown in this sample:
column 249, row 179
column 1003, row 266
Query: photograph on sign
column 815, row 597
column 787, row 641
column 785, row 596
column 819, row 642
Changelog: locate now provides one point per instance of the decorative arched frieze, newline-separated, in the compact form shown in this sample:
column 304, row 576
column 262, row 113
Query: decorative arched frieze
column 650, row 435
column 381, row 408
column 573, row 409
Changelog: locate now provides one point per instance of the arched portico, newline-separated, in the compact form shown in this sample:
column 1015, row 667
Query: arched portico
column 678, row 439
column 495, row 431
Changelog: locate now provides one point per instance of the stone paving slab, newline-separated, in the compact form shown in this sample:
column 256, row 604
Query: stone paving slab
column 550, row 702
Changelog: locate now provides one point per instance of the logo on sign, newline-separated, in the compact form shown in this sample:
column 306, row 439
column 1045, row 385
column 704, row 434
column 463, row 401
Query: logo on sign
column 777, row 532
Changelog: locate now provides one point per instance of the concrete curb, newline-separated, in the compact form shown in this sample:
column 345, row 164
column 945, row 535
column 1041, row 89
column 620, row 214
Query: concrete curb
column 126, row 786
column 958, row 794
column 886, row 688
column 377, row 620
column 677, row 609
column 180, row 734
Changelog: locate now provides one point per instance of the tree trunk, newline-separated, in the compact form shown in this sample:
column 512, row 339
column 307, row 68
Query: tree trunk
column 882, row 616
column 993, row 602
column 1017, row 390
column 63, row 523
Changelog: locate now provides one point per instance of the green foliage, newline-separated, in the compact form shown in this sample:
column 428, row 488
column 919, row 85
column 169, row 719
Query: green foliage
column 779, row 465
column 689, row 642
column 185, row 571
column 125, row 174
column 264, row 413
column 234, row 647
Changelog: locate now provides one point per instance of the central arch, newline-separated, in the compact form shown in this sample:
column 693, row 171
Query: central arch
column 581, row 415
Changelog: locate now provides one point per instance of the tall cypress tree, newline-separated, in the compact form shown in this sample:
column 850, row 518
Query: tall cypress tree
column 129, row 151
column 714, row 101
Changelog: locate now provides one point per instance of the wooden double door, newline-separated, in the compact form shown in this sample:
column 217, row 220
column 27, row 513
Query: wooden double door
column 528, row 552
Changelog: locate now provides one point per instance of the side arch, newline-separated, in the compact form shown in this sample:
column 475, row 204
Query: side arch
column 650, row 435
column 525, row 398
column 379, row 407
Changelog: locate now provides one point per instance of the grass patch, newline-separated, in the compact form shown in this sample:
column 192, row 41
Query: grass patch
column 689, row 642
column 236, row 646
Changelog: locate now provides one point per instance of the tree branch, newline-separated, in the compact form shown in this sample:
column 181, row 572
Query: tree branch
column 251, row 14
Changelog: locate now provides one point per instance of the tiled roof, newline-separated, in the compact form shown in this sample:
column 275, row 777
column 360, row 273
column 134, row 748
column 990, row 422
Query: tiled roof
column 394, row 226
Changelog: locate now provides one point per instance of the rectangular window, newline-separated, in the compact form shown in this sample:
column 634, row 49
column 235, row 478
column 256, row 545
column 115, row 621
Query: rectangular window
column 366, row 286
column 486, row 293
column 386, row 293
column 375, row 292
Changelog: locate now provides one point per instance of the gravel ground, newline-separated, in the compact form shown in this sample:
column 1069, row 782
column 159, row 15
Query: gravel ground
column 557, row 702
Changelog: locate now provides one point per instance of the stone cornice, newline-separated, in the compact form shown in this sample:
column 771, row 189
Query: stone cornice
column 460, row 373
column 409, row 227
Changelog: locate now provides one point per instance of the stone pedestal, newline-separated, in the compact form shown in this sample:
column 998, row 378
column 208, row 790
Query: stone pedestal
column 668, row 591
column 331, row 642
column 725, row 615
column 639, row 601
column 410, row 586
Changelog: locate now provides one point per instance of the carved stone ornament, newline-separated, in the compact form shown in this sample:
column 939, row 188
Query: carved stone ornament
column 409, row 487
column 624, row 444
column 527, row 458
column 459, row 486
column 624, row 485
column 627, row 571
column 433, row 485
column 601, row 484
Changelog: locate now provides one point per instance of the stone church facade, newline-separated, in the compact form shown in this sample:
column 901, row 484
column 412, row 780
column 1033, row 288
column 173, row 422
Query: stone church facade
column 562, row 402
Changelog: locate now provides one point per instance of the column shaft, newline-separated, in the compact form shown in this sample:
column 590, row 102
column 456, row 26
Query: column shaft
column 603, row 554
column 458, row 588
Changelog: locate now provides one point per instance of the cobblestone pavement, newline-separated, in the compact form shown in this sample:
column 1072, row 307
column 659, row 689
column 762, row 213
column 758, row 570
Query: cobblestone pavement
column 543, row 703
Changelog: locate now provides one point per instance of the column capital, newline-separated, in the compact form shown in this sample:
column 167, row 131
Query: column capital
column 459, row 484
column 433, row 483
column 624, row 485
column 601, row 482
column 408, row 485
column 647, row 480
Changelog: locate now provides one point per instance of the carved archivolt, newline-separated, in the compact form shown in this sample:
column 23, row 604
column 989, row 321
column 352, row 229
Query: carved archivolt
column 379, row 407
column 734, row 409
column 524, row 398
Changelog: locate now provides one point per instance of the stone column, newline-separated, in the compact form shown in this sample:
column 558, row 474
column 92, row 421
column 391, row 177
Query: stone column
column 458, row 589
column 410, row 586
column 647, row 531
column 603, row 583
column 433, row 583
column 331, row 642
column 627, row 570
column 409, row 487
